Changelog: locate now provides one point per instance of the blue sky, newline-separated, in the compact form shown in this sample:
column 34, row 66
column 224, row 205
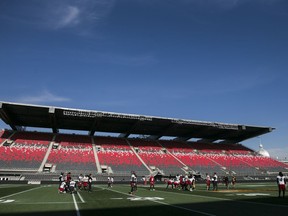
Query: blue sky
column 206, row 60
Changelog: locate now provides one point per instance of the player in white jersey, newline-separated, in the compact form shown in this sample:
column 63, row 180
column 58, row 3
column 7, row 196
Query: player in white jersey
column 110, row 181
column 85, row 182
column 80, row 182
column 61, row 188
column 192, row 182
column 281, row 182
column 72, row 186
column 215, row 182
column 133, row 183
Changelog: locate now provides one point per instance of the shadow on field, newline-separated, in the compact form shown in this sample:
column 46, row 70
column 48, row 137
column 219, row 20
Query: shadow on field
column 250, row 206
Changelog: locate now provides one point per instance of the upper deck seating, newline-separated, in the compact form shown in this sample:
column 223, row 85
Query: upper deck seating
column 205, row 147
column 21, row 158
column 174, row 146
column 145, row 145
column 263, row 163
column 219, row 148
column 231, row 162
column 207, row 157
column 112, row 143
column 118, row 155
column 75, row 154
column 26, row 152
column 199, row 162
column 155, row 156
column 32, row 138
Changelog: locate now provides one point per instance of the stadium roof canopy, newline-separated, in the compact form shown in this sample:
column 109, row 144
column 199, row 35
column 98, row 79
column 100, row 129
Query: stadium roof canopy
column 19, row 116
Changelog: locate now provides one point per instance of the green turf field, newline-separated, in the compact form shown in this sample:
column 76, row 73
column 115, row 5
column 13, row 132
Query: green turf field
column 245, row 199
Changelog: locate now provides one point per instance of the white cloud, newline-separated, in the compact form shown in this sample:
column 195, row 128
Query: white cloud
column 70, row 17
column 81, row 15
column 43, row 97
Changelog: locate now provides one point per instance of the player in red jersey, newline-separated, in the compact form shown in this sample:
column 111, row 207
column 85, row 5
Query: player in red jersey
column 233, row 181
column 152, row 182
column 208, row 181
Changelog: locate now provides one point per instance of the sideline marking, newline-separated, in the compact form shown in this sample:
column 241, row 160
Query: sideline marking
column 42, row 203
column 20, row 192
column 252, row 194
column 6, row 201
column 167, row 204
column 76, row 206
column 144, row 198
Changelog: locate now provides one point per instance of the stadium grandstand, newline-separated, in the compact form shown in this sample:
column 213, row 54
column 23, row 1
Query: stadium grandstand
column 44, row 141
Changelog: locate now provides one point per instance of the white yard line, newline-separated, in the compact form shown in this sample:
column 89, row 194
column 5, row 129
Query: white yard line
column 42, row 203
column 187, row 209
column 82, row 200
column 76, row 206
column 163, row 203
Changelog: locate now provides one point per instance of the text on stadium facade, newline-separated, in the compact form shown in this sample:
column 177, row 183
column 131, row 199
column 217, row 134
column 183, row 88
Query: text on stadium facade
column 87, row 114
column 211, row 124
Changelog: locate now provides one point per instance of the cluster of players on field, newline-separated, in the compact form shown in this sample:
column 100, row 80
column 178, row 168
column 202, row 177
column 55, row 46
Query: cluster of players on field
column 214, row 180
column 184, row 182
column 188, row 182
column 69, row 185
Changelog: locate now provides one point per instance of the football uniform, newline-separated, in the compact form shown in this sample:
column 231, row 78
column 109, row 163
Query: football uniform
column 62, row 187
column 281, row 182
column 152, row 180
column 72, row 186
column 208, row 180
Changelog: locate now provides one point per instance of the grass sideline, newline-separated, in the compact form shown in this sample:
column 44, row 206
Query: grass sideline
column 246, row 199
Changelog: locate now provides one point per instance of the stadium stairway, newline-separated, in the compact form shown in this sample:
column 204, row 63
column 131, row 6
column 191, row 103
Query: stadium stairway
column 138, row 156
column 185, row 167
column 47, row 154
column 96, row 156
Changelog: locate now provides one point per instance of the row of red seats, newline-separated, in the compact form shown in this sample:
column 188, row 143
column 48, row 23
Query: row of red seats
column 228, row 160
column 118, row 158
column 22, row 154
column 195, row 160
column 174, row 146
column 71, row 156
column 32, row 138
column 159, row 159
column 146, row 145
column 262, row 162
column 187, row 147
